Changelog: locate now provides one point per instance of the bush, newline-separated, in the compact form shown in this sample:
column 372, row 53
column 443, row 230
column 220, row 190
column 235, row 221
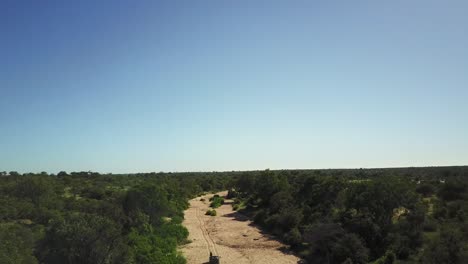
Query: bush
column 84, row 238
column 260, row 216
column 216, row 201
column 169, row 230
column 293, row 237
column 289, row 218
column 214, row 197
column 211, row 212
column 238, row 204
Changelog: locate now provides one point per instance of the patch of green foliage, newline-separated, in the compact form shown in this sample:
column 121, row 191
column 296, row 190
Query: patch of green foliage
column 16, row 244
column 211, row 212
column 238, row 204
column 216, row 201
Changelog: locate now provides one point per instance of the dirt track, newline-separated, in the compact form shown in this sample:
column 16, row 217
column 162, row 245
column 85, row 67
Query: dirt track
column 229, row 235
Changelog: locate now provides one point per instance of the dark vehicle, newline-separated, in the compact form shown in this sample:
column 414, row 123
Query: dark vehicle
column 214, row 259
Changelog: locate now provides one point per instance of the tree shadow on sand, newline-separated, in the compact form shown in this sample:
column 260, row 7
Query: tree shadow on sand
column 237, row 216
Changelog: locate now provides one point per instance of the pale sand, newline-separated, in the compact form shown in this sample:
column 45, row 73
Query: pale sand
column 229, row 235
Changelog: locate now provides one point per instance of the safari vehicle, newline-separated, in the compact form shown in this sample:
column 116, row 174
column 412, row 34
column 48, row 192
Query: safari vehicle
column 213, row 259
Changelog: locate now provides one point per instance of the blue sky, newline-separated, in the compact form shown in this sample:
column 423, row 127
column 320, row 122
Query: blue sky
column 120, row 86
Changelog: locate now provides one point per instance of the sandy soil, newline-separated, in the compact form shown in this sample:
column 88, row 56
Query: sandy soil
column 229, row 235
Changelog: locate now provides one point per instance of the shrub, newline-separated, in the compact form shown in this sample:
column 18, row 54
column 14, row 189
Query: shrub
column 214, row 197
column 260, row 216
column 293, row 237
column 216, row 201
column 211, row 212
column 177, row 231
column 238, row 204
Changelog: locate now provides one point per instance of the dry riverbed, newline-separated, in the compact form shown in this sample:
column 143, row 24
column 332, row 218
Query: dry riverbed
column 229, row 235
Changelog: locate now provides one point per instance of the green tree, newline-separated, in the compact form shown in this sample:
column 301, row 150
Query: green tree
column 83, row 238
column 446, row 249
column 16, row 244
column 452, row 190
column 425, row 189
column 329, row 243
column 13, row 173
column 152, row 200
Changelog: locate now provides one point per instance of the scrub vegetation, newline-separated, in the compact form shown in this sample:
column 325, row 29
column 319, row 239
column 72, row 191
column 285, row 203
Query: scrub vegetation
column 86, row 217
column 410, row 215
column 407, row 215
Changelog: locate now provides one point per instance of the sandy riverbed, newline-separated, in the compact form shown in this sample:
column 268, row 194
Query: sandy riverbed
column 229, row 235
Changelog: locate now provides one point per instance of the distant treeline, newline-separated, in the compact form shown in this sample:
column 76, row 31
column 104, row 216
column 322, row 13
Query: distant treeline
column 404, row 215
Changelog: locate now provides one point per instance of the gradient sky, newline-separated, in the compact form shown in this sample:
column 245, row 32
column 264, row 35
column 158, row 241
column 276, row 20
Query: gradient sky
column 136, row 86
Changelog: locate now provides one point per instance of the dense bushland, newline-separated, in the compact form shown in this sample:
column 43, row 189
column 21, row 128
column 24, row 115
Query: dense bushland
column 91, row 218
column 414, row 215
column 409, row 215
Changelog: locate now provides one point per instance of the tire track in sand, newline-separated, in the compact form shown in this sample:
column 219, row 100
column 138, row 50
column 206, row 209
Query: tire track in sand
column 211, row 246
column 229, row 235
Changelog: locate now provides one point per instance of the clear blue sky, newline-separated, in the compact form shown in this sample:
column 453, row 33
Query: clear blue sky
column 129, row 86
